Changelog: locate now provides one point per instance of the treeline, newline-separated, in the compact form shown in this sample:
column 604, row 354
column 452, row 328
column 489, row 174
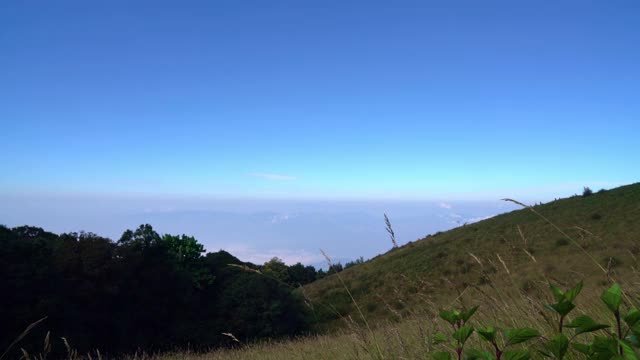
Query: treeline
column 298, row 274
column 144, row 292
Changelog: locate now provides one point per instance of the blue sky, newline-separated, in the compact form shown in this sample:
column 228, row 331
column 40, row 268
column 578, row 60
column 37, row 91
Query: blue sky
column 330, row 100
column 342, row 99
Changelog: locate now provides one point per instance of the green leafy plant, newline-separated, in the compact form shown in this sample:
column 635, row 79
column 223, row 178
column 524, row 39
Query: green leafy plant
column 618, row 345
column 557, row 346
column 564, row 302
column 461, row 332
column 510, row 337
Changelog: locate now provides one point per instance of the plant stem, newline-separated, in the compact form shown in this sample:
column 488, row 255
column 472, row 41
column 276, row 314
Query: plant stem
column 617, row 313
column 498, row 351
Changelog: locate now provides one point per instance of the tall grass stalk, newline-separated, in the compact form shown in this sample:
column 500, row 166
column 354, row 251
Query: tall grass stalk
column 355, row 303
column 606, row 272
column 22, row 335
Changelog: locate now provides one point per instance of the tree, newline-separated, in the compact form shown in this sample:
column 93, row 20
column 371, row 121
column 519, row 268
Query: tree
column 144, row 236
column 321, row 274
column 310, row 274
column 277, row 269
column 156, row 287
column 301, row 275
column 188, row 254
column 253, row 306
column 335, row 268
column 357, row 261
column 297, row 274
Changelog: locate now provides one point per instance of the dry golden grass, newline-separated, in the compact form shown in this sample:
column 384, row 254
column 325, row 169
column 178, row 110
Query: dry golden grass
column 410, row 337
column 568, row 239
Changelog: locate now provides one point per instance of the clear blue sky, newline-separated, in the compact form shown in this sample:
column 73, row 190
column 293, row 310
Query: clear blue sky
column 335, row 99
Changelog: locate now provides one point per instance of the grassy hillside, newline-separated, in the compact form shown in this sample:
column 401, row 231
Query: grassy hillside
column 519, row 249
column 503, row 265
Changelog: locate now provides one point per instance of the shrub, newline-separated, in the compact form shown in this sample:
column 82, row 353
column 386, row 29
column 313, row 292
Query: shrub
column 355, row 262
column 596, row 216
column 562, row 242
column 587, row 191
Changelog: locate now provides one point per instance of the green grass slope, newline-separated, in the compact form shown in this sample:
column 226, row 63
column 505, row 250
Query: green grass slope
column 515, row 249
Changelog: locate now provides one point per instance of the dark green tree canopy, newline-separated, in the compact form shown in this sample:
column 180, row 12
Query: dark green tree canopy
column 144, row 236
column 163, row 288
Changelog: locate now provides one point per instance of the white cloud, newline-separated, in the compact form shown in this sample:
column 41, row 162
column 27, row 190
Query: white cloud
column 290, row 257
column 479, row 218
column 444, row 205
column 273, row 177
column 280, row 218
column 457, row 219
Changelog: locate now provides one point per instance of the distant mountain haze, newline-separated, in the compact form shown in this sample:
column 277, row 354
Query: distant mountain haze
column 254, row 230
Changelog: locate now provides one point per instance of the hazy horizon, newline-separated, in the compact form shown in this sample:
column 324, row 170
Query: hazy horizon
column 256, row 230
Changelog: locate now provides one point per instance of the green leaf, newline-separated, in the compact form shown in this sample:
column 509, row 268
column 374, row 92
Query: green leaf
column 439, row 338
column 612, row 297
column 563, row 307
column 584, row 324
column 627, row 351
column 441, row 355
column 633, row 340
column 583, row 348
column 604, row 347
column 475, row 354
column 466, row 315
column 450, row 316
column 463, row 334
column 516, row 355
column 517, row 336
column 632, row 317
column 557, row 293
column 557, row 346
column 488, row 334
column 572, row 293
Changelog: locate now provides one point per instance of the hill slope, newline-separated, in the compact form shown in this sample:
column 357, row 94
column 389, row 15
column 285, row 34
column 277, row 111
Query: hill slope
column 520, row 244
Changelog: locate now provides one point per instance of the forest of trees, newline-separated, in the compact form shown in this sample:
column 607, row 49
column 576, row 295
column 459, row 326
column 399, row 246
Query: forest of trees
column 144, row 292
